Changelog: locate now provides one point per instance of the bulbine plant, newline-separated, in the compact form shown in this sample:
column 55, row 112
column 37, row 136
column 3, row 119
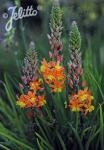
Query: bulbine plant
column 44, row 86
column 58, row 103
column 52, row 73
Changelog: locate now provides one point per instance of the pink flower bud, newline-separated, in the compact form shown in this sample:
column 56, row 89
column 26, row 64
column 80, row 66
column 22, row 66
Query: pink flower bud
column 61, row 48
column 71, row 83
column 55, row 53
column 50, row 55
column 61, row 58
column 21, row 86
column 84, row 84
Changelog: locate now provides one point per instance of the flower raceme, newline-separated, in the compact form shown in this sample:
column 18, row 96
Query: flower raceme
column 53, row 75
column 33, row 98
column 81, row 102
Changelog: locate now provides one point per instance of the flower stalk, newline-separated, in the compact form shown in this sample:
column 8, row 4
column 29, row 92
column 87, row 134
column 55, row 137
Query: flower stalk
column 55, row 34
column 74, row 66
column 30, row 67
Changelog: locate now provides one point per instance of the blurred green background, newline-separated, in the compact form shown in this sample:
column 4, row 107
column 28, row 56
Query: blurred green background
column 33, row 31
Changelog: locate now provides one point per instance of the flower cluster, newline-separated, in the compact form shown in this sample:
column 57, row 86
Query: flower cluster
column 81, row 102
column 33, row 98
column 53, row 75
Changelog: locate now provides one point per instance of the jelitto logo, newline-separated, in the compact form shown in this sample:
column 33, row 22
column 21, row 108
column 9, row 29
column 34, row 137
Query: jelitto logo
column 18, row 13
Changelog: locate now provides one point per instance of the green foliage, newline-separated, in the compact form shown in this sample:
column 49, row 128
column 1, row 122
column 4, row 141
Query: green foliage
column 54, row 129
column 12, row 127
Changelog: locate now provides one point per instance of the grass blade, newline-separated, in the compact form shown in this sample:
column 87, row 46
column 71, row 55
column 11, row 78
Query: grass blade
column 18, row 142
column 61, row 141
column 102, row 130
column 47, row 144
column 77, row 137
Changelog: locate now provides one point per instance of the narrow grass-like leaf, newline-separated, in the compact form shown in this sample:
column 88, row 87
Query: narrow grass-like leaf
column 84, row 132
column 18, row 142
column 61, row 141
column 39, row 145
column 41, row 130
column 12, row 101
column 47, row 144
column 91, row 138
column 102, row 128
column 76, row 136
column 101, row 92
column 4, row 147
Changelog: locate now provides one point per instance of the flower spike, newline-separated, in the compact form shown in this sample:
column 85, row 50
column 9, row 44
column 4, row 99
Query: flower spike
column 30, row 67
column 56, row 32
column 74, row 66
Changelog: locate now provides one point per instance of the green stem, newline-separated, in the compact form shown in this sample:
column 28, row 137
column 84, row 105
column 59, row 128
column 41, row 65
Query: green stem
column 77, row 121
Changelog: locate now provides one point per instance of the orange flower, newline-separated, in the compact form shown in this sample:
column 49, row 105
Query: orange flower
column 40, row 101
column 81, row 102
column 74, row 104
column 31, row 100
column 36, row 85
column 34, row 97
column 57, row 86
column 53, row 75
column 26, row 100
column 88, row 108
